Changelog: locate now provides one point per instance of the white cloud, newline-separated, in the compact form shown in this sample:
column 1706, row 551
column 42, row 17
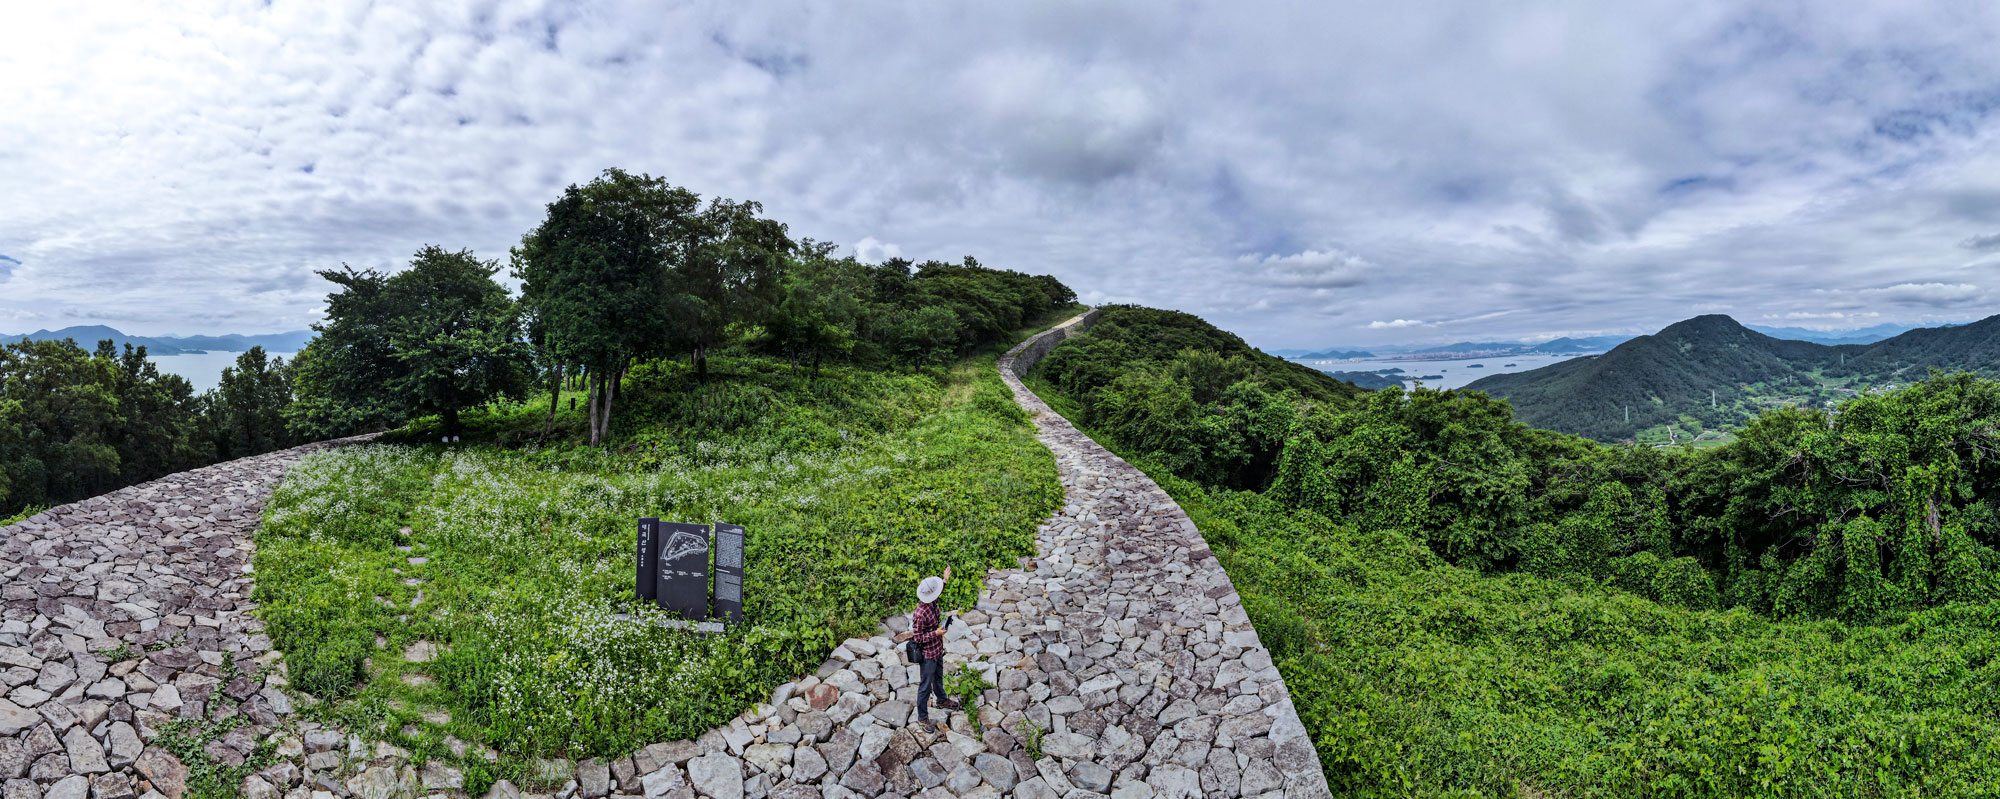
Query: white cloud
column 1829, row 315
column 1515, row 170
column 1308, row 269
column 1927, row 293
column 870, row 250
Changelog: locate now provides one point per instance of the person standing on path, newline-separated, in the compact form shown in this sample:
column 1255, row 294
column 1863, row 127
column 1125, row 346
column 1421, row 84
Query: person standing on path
column 927, row 629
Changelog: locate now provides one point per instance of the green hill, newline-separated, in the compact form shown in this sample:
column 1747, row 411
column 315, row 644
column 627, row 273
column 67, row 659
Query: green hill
column 1462, row 605
column 1710, row 371
column 1197, row 399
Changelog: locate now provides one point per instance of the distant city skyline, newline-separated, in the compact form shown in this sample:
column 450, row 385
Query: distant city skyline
column 1305, row 175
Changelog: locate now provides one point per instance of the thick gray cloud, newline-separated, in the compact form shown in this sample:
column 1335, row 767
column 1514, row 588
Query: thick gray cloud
column 1306, row 174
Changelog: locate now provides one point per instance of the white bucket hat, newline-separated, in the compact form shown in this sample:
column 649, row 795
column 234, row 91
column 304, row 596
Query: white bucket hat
column 930, row 589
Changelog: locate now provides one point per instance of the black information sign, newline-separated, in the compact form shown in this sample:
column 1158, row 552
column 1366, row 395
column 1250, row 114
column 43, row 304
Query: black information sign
column 683, row 571
column 649, row 557
column 729, row 572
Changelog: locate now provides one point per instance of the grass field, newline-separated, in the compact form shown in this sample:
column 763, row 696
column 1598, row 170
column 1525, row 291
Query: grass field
column 435, row 594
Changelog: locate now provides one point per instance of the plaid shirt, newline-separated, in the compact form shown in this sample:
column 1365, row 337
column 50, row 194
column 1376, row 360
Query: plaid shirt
column 924, row 625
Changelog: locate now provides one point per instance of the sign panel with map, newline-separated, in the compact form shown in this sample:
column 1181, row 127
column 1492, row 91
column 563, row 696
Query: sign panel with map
column 683, row 569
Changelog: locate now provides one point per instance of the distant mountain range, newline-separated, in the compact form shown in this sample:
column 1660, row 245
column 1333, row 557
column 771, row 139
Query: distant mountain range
column 1672, row 373
column 1864, row 335
column 87, row 336
column 1567, row 345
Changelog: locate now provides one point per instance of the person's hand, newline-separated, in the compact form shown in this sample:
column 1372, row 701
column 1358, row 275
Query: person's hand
column 904, row 636
column 947, row 574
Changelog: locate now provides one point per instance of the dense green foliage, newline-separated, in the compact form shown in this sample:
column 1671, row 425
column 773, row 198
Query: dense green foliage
column 1710, row 372
column 1196, row 399
column 76, row 423
column 1419, row 678
column 627, row 269
column 852, row 484
column 436, row 338
column 1463, row 605
column 245, row 414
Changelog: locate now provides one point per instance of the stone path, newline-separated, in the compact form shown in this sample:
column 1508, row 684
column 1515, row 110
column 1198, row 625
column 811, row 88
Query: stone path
column 1123, row 662
column 123, row 613
column 1123, row 644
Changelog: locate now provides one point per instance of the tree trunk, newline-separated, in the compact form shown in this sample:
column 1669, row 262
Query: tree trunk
column 611, row 391
column 591, row 408
column 701, row 362
column 555, row 396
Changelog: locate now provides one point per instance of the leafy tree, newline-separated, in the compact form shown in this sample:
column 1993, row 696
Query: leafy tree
column 75, row 423
column 456, row 340
column 436, row 338
column 726, row 264
column 340, row 378
column 595, row 281
column 245, row 413
column 819, row 306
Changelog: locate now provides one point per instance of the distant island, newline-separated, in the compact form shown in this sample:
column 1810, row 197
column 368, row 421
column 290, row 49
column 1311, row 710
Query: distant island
column 87, row 336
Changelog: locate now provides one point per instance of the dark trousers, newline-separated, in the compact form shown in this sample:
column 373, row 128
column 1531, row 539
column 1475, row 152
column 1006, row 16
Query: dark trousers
column 931, row 680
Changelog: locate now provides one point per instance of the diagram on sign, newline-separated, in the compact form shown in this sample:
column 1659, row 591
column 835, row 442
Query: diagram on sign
column 684, row 545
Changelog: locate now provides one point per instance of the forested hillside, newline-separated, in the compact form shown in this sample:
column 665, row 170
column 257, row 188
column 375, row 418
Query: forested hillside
column 1466, row 605
column 1711, row 372
column 1210, row 406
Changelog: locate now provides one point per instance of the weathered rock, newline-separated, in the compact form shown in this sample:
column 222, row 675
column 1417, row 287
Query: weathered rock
column 75, row 786
column 86, row 755
column 717, row 775
column 593, row 779
column 15, row 719
column 164, row 770
column 807, row 764
column 14, row 758
column 114, row 785
column 373, row 783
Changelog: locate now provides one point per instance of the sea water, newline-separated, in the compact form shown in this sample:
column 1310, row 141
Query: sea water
column 1450, row 373
column 204, row 369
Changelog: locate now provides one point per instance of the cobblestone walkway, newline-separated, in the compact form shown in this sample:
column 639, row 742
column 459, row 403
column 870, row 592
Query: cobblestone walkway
column 124, row 612
column 1122, row 642
column 1124, row 665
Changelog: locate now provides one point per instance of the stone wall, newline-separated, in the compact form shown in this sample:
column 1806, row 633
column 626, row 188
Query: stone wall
column 1028, row 353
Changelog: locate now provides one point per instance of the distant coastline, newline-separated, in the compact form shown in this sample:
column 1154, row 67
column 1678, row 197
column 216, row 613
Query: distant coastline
column 87, row 336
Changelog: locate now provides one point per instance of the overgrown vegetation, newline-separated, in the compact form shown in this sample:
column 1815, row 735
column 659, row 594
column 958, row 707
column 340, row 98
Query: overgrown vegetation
column 1203, row 403
column 1463, row 605
column 516, row 564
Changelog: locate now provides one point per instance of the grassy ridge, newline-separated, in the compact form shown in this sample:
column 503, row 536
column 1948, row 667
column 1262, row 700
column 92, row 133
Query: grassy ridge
column 852, row 485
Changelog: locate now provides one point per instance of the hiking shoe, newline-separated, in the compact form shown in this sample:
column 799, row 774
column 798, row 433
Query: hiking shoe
column 949, row 704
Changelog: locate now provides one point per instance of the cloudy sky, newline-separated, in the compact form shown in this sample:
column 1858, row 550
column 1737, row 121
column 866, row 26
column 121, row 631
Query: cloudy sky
column 1303, row 173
